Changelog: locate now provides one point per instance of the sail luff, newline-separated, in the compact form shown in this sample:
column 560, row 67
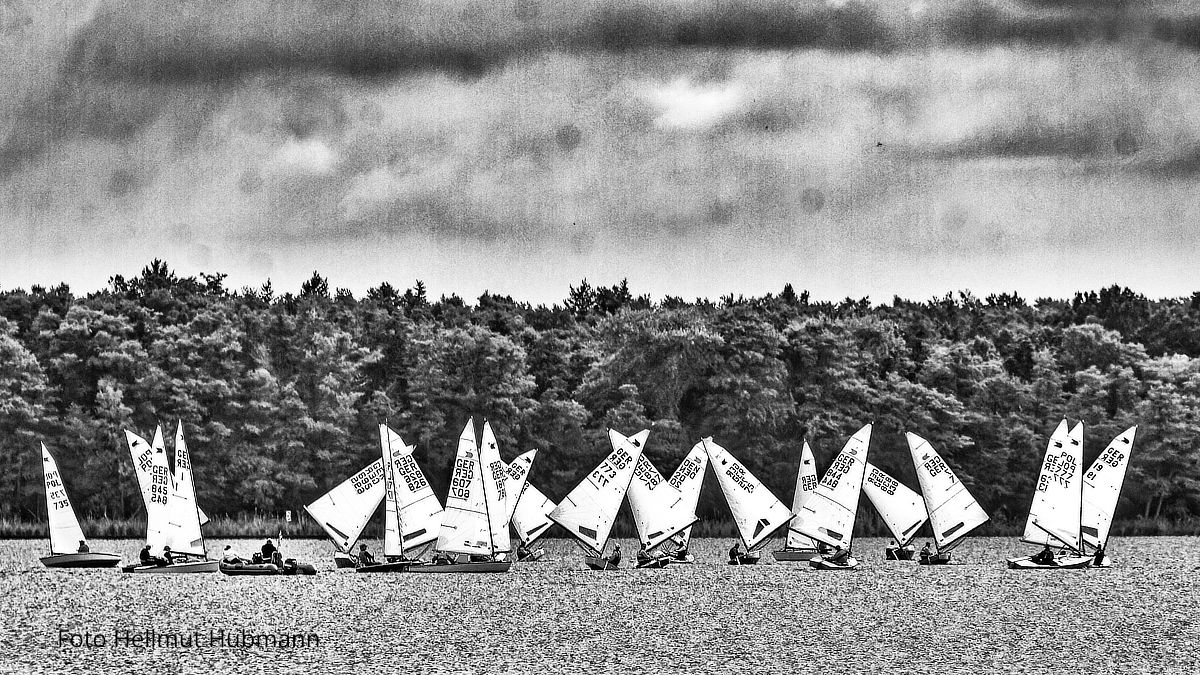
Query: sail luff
column 65, row 532
column 1102, row 488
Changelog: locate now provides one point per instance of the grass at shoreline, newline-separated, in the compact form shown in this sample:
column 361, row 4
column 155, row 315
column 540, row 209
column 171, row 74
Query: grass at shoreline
column 256, row 526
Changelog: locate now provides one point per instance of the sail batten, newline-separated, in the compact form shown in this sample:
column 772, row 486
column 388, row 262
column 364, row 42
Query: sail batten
column 828, row 516
column 953, row 512
column 757, row 513
column 590, row 510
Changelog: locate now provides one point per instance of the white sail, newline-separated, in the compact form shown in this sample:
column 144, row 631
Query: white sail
column 158, row 516
column 828, row 516
column 953, row 512
column 531, row 518
column 902, row 509
column 1102, row 488
column 688, row 479
column 806, row 484
column 659, row 510
column 65, row 533
column 495, row 490
column 142, row 452
column 1054, row 516
column 589, row 511
column 465, row 526
column 416, row 513
column 756, row 512
column 516, row 477
column 344, row 511
column 183, row 522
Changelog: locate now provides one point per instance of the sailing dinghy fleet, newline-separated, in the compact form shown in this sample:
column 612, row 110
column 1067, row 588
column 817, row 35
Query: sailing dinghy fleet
column 1070, row 516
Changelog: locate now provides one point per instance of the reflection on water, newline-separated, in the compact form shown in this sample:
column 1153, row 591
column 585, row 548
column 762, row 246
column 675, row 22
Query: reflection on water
column 554, row 616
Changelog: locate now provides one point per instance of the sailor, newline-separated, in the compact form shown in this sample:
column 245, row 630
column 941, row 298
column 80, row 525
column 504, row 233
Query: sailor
column 145, row 557
column 734, row 552
column 615, row 558
column 1044, row 557
column 230, row 557
column 168, row 557
column 1098, row 559
column 364, row 556
column 892, row 551
column 926, row 553
column 643, row 556
column 840, row 556
column 522, row 551
column 681, row 553
column 268, row 551
column 83, row 547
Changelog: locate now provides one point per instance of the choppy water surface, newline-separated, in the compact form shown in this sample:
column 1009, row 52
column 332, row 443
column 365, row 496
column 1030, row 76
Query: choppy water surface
column 555, row 616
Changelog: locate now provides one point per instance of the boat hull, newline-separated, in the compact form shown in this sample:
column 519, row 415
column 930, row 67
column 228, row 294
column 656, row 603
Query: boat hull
column 78, row 560
column 462, row 567
column 379, row 568
column 899, row 553
column 685, row 559
column 939, row 559
column 298, row 569
column 533, row 556
column 823, row 564
column 598, row 563
column 1064, row 563
column 751, row 558
column 344, row 561
column 795, row 554
column 265, row 569
column 653, row 564
column 193, row 567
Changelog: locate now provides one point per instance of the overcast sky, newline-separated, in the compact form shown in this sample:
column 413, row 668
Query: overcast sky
column 696, row 147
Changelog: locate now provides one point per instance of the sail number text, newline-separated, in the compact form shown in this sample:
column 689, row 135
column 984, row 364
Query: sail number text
column 608, row 469
column 882, row 481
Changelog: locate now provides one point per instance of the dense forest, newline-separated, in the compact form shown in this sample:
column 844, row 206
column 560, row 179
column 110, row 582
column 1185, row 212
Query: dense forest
column 280, row 393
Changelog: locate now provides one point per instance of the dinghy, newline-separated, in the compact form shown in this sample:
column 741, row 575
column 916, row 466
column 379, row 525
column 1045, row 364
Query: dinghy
column 344, row 511
column 66, row 537
column 412, row 514
column 756, row 512
column 953, row 512
column 687, row 479
column 1057, row 509
column 173, row 519
column 829, row 514
column 474, row 533
column 589, row 511
column 1101, row 489
column 902, row 510
column 659, row 513
column 799, row 547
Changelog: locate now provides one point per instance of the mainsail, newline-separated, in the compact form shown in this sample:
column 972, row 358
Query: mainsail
column 1054, row 516
column 829, row 514
column 659, row 510
column 183, row 523
column 1102, row 488
column 465, row 525
column 902, row 510
column 345, row 510
column 516, row 477
column 531, row 518
column 589, row 511
column 65, row 533
column 688, row 479
column 953, row 512
column 806, row 484
column 756, row 512
column 142, row 452
column 495, row 490
column 412, row 513
column 158, row 515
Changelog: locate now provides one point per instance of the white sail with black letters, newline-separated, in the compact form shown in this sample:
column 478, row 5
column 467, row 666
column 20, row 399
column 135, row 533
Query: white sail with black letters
column 756, row 512
column 158, row 516
column 516, row 477
column 65, row 533
column 184, row 517
column 465, row 524
column 590, row 510
column 1054, row 516
column 344, row 511
column 688, row 479
column 412, row 512
column 806, row 484
column 659, row 510
column 495, row 490
column 902, row 509
column 953, row 512
column 1102, row 488
column 531, row 518
column 828, row 516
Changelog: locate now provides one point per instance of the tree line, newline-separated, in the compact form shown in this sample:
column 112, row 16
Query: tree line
column 280, row 394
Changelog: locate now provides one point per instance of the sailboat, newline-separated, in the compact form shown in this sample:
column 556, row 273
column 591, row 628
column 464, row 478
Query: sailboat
column 474, row 533
column 66, row 537
column 659, row 512
column 528, row 508
column 344, row 511
column 688, row 479
column 1101, row 489
column 828, row 516
column 902, row 510
column 1056, row 515
column 799, row 547
column 953, row 512
column 756, row 512
column 590, row 510
column 412, row 514
column 173, row 519
column 142, row 452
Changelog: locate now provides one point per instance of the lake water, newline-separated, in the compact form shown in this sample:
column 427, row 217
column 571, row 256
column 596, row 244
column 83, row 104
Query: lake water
column 555, row 616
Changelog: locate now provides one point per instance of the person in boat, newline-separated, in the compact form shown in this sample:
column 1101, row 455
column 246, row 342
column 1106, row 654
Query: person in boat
column 522, row 551
column 1044, row 557
column 1098, row 559
column 643, row 556
column 83, row 547
column 735, row 551
column 230, row 557
column 268, row 551
column 615, row 558
column 926, row 553
column 840, row 556
column 892, row 550
column 277, row 558
column 168, row 555
column 364, row 556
